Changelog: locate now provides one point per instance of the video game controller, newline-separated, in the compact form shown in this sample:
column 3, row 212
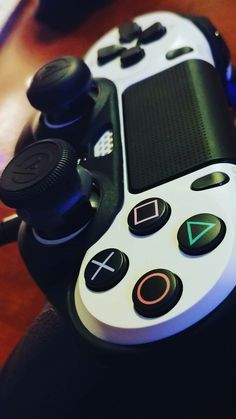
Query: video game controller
column 127, row 199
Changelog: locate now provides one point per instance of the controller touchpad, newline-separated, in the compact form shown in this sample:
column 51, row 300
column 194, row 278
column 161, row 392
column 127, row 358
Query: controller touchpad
column 169, row 130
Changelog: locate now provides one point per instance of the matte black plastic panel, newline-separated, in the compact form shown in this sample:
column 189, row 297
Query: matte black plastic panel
column 175, row 122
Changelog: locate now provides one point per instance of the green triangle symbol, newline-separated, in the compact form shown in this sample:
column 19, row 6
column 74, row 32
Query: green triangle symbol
column 208, row 226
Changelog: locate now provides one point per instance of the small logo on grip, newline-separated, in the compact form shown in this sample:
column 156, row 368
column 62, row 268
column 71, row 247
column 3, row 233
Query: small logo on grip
column 54, row 71
column 30, row 169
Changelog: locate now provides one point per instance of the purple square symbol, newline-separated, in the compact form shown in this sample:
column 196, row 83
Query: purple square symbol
column 146, row 212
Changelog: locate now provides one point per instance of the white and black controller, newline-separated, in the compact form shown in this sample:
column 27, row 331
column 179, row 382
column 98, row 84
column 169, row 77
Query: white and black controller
column 132, row 228
column 167, row 259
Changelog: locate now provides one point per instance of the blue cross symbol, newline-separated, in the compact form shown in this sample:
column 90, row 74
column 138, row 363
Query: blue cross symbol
column 102, row 265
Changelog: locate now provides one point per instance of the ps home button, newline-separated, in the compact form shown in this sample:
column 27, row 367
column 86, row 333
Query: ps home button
column 148, row 216
column 156, row 293
column 201, row 234
column 106, row 269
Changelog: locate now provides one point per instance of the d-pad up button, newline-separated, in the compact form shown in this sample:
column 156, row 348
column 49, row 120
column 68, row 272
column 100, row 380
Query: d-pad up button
column 201, row 234
column 156, row 293
column 129, row 31
column 106, row 269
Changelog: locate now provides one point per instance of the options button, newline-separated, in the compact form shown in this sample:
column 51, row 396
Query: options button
column 174, row 53
column 211, row 180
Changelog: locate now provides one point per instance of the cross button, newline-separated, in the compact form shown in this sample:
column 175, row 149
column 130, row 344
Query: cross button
column 106, row 269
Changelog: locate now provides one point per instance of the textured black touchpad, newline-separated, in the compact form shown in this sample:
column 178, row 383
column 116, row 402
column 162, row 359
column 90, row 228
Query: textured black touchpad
column 175, row 122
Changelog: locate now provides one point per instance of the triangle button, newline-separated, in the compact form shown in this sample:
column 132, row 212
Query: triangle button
column 201, row 234
column 205, row 227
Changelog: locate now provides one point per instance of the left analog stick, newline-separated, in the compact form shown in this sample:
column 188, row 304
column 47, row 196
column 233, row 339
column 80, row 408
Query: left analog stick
column 45, row 185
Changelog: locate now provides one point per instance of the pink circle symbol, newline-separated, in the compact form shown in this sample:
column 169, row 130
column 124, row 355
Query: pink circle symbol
column 145, row 279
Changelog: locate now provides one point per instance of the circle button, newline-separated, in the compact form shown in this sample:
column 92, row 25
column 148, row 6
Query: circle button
column 106, row 269
column 156, row 293
column 148, row 216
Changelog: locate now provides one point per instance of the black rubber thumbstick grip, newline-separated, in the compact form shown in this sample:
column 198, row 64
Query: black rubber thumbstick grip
column 42, row 172
column 59, row 83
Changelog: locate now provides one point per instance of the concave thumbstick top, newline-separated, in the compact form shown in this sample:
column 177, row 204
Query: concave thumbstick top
column 42, row 172
column 59, row 83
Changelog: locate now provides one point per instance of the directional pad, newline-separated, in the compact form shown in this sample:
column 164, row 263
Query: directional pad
column 129, row 32
column 201, row 234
